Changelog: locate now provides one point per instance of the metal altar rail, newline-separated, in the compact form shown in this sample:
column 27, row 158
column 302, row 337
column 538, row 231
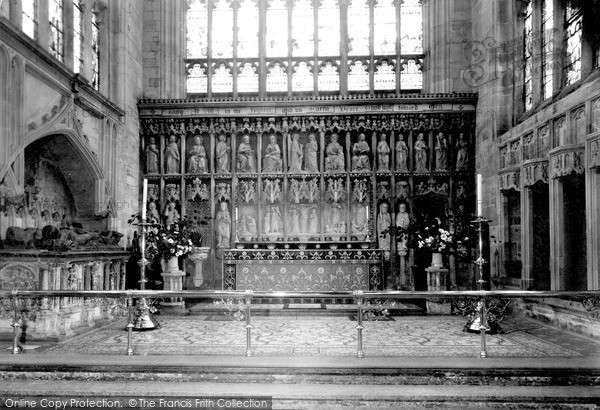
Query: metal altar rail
column 589, row 299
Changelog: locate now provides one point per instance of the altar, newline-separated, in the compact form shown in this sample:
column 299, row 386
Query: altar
column 314, row 270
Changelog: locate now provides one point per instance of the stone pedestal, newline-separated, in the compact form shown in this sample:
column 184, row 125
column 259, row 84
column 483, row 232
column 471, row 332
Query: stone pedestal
column 436, row 281
column 173, row 280
column 198, row 256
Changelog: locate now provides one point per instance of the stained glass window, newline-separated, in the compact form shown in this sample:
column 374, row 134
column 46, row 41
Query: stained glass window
column 303, row 29
column 197, row 80
column 411, row 27
column 247, row 21
column 574, row 20
column 329, row 28
column 329, row 77
column 222, row 30
column 358, row 28
column 302, row 77
column 57, row 33
column 358, row 76
column 77, row 35
column 277, row 78
column 222, row 78
column 277, row 29
column 385, row 75
column 547, row 48
column 385, row 27
column 527, row 57
column 247, row 80
column 29, row 12
column 197, row 34
column 411, row 75
column 95, row 51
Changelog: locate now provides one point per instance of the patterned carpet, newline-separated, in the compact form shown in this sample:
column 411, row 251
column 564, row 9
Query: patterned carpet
column 288, row 336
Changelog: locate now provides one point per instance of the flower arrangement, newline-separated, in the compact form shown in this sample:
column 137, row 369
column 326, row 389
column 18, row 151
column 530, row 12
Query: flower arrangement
column 432, row 236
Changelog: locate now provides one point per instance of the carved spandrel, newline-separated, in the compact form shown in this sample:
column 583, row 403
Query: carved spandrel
column 336, row 190
column 197, row 191
column 247, row 191
column 223, row 192
column 172, row 193
column 271, row 192
column 402, row 190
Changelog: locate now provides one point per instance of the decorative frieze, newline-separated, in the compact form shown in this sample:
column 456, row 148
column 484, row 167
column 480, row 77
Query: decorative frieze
column 534, row 172
column 567, row 162
column 510, row 180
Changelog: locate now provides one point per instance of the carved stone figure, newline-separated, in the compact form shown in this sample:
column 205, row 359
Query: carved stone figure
column 402, row 221
column 172, row 156
column 223, row 222
column 461, row 153
column 171, row 215
column 247, row 227
column 360, row 155
column 223, row 158
column 197, row 157
column 401, row 154
column 272, row 161
column 334, row 160
column 420, row 153
column 152, row 157
column 246, row 158
column 441, row 152
column 360, row 225
column 296, row 153
column 312, row 154
column 313, row 222
column 384, row 220
column 272, row 221
column 153, row 215
column 383, row 154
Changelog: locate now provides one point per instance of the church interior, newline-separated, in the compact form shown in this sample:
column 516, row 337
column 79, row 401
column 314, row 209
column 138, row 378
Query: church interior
column 303, row 161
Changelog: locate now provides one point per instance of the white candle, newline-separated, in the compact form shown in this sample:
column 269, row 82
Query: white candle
column 479, row 195
column 144, row 199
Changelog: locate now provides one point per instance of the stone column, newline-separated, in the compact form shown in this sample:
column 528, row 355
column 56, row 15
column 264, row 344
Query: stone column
column 198, row 256
column 592, row 189
column 173, row 280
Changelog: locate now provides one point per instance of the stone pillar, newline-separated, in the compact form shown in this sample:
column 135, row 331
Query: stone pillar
column 436, row 281
column 592, row 189
column 526, row 238
column 198, row 256
column 173, row 280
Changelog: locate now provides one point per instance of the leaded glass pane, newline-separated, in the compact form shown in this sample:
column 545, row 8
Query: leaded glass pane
column 196, row 78
column 411, row 27
column 197, row 34
column 329, row 28
column 573, row 55
column 358, row 28
column 77, row 35
column 222, row 30
column 277, row 29
column 411, row 76
column 329, row 77
column 277, row 78
column 358, row 77
column 247, row 41
column 95, row 52
column 527, row 54
column 302, row 77
column 29, row 22
column 547, row 48
column 55, row 16
column 247, row 81
column 303, row 29
column 385, row 27
column 222, row 79
column 385, row 76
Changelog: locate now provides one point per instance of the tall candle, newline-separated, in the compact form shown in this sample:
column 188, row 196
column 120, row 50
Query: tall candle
column 144, row 199
column 479, row 195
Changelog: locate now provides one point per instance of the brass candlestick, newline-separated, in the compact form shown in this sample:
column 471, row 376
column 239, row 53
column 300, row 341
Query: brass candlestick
column 142, row 315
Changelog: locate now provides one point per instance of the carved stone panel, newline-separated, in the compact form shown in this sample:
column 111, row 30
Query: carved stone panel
column 534, row 172
column 510, row 180
column 566, row 163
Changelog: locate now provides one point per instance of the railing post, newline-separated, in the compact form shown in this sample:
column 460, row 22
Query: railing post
column 129, row 324
column 248, row 300
column 482, row 327
column 358, row 294
column 16, row 324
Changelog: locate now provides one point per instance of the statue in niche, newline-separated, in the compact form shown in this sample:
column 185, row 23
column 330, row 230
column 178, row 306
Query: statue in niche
column 384, row 221
column 272, row 161
column 420, row 153
column 222, row 149
column 273, row 221
column 360, row 155
column 336, row 224
column 312, row 154
column 296, row 153
column 152, row 157
column 360, row 221
column 223, row 222
column 383, row 154
column 172, row 156
column 441, row 152
column 401, row 154
column 294, row 222
column 402, row 221
column 461, row 153
column 334, row 160
column 246, row 158
column 313, row 222
column 153, row 214
column 197, row 157
column 171, row 215
column 247, row 227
